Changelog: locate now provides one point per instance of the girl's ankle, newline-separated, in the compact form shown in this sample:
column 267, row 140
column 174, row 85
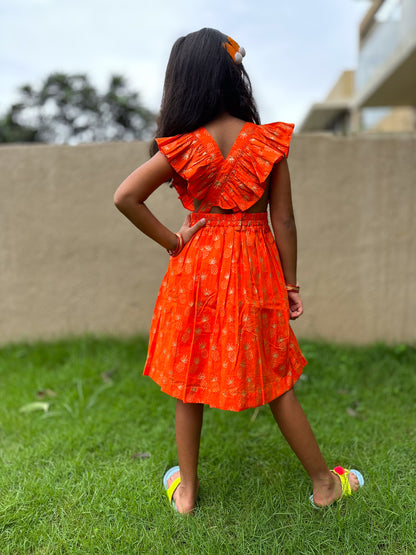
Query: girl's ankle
column 324, row 478
column 190, row 486
column 329, row 483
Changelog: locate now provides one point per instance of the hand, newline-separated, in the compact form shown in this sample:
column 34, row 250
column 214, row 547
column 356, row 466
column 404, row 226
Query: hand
column 187, row 231
column 295, row 305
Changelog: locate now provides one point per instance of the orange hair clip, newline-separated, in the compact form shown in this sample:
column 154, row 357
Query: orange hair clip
column 236, row 52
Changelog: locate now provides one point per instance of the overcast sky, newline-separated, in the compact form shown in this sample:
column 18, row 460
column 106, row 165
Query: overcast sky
column 296, row 49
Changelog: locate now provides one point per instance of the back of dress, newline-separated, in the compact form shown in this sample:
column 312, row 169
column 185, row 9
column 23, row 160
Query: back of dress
column 220, row 332
column 232, row 183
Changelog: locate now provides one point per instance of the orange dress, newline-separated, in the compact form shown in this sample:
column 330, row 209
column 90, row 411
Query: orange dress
column 220, row 332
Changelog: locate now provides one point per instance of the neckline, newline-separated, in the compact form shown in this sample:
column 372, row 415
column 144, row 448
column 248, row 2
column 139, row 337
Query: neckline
column 234, row 146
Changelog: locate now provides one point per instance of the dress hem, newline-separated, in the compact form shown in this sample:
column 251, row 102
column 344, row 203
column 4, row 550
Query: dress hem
column 198, row 394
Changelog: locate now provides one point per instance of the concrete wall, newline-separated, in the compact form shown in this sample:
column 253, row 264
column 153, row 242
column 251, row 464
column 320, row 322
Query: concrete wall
column 356, row 209
column 70, row 263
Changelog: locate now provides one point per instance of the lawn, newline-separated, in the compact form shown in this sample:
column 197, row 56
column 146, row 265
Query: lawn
column 81, row 470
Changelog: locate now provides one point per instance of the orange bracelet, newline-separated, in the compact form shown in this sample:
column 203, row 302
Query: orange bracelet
column 178, row 249
column 290, row 287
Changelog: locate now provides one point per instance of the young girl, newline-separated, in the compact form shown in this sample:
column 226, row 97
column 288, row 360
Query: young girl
column 220, row 332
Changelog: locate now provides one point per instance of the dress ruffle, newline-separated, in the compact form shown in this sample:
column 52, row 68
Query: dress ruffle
column 235, row 182
column 269, row 145
column 193, row 166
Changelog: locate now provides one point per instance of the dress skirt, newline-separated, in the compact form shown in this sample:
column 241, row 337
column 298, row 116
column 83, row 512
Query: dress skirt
column 220, row 332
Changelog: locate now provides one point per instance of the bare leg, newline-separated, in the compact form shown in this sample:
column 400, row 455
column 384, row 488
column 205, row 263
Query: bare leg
column 188, row 424
column 295, row 427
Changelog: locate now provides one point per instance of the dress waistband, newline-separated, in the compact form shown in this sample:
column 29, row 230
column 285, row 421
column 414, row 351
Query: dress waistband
column 231, row 219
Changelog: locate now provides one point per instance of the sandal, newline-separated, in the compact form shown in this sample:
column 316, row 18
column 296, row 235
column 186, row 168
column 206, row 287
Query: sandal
column 172, row 488
column 345, row 484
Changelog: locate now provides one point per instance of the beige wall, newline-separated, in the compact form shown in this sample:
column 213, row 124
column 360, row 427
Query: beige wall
column 70, row 263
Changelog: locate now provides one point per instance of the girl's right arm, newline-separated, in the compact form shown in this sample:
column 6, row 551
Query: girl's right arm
column 284, row 228
column 136, row 188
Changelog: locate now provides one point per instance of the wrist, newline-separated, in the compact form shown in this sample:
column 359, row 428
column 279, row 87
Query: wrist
column 179, row 245
column 174, row 244
column 290, row 287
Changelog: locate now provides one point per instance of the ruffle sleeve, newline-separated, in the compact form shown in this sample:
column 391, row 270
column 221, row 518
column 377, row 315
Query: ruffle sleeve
column 192, row 163
column 265, row 146
column 269, row 144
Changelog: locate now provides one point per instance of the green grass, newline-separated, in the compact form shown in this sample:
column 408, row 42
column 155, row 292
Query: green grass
column 69, row 482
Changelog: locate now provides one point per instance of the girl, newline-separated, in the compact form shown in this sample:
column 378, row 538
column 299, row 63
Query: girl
column 220, row 332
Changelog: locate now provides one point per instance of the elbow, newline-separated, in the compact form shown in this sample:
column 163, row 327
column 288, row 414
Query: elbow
column 118, row 199
column 286, row 223
column 125, row 202
column 122, row 199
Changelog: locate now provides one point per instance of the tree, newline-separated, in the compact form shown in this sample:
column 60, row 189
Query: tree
column 68, row 109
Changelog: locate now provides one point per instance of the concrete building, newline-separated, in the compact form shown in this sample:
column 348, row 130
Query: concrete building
column 380, row 96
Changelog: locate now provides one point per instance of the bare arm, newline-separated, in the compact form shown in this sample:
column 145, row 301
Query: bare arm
column 284, row 228
column 136, row 188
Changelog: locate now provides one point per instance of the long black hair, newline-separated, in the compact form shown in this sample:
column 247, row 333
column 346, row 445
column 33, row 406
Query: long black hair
column 201, row 81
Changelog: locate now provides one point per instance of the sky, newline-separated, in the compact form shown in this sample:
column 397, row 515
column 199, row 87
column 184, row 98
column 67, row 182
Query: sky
column 296, row 50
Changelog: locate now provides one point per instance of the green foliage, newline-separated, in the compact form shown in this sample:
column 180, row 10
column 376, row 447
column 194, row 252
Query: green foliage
column 68, row 109
column 83, row 475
